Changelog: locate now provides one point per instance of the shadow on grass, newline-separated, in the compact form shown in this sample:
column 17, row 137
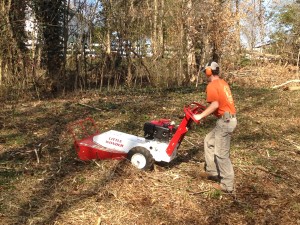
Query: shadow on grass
column 182, row 158
column 45, row 198
column 21, row 159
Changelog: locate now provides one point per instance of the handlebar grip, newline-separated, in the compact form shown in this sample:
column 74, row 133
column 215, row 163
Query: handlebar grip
column 191, row 115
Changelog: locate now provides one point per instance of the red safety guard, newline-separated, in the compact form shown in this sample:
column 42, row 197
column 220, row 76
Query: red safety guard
column 83, row 132
column 190, row 111
column 85, row 127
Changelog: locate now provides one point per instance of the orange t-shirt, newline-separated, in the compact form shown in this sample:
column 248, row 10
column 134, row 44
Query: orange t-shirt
column 219, row 90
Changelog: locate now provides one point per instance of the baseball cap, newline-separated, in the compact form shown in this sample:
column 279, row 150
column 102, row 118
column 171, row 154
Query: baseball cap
column 213, row 65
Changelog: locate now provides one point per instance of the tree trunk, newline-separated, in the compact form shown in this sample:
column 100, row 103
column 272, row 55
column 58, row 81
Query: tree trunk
column 8, row 68
column 253, row 26
column 238, row 27
column 1, row 71
column 182, row 54
column 108, row 39
column 261, row 21
column 65, row 34
column 108, row 27
column 191, row 61
column 160, row 29
column 298, row 58
column 154, row 31
column 2, row 8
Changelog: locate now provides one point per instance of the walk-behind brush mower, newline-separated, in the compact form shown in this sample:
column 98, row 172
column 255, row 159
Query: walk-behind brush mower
column 160, row 142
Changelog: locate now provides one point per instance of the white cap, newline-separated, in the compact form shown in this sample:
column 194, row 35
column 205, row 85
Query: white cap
column 212, row 65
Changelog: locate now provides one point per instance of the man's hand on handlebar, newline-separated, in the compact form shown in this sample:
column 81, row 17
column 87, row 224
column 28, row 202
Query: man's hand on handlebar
column 198, row 117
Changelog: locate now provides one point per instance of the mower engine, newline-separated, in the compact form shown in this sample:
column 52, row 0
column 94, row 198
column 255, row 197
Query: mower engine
column 161, row 130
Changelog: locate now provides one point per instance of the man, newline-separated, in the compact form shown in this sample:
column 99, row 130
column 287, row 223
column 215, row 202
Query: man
column 217, row 143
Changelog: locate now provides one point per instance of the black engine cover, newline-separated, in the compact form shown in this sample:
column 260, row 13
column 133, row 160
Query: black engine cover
column 153, row 131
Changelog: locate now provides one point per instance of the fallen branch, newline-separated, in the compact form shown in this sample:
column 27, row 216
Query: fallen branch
column 293, row 88
column 293, row 143
column 242, row 73
column 189, row 142
column 98, row 164
column 98, row 221
column 37, row 156
column 262, row 168
column 285, row 83
column 91, row 107
column 198, row 192
column 5, row 168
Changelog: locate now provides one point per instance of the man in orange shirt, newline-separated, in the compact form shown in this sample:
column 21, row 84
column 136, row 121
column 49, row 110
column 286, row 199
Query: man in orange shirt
column 217, row 143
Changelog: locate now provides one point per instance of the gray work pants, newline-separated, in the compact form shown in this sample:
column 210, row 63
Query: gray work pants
column 217, row 152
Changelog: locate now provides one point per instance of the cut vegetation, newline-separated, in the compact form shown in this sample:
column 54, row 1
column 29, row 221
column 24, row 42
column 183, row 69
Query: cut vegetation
column 43, row 182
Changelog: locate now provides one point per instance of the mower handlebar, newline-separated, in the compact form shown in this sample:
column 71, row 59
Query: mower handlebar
column 190, row 111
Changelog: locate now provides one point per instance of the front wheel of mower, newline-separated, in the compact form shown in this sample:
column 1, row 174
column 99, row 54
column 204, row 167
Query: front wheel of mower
column 141, row 158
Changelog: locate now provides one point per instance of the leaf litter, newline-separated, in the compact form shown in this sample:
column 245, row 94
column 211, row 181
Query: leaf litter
column 43, row 182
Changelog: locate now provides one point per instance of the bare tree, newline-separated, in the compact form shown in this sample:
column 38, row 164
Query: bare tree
column 164, row 43
column 191, row 61
column 50, row 18
column 13, row 59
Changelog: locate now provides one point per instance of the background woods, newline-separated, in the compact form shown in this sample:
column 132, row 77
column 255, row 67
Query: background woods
column 55, row 46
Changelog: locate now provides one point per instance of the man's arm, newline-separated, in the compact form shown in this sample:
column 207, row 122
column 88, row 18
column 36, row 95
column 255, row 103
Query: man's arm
column 209, row 110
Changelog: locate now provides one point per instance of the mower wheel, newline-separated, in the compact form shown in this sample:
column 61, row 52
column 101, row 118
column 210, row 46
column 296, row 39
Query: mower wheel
column 141, row 158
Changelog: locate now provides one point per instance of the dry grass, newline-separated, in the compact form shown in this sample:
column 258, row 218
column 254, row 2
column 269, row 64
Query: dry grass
column 56, row 188
column 266, row 76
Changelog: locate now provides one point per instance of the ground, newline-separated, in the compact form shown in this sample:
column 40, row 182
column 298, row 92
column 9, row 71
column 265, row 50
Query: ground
column 43, row 182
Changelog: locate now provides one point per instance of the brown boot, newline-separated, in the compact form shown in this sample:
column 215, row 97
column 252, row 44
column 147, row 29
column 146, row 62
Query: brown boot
column 207, row 176
column 221, row 188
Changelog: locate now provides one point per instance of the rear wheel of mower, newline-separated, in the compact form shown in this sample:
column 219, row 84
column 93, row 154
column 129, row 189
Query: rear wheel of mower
column 141, row 158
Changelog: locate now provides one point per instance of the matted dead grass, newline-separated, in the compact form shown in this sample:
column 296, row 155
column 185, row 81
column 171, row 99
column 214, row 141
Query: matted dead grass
column 43, row 182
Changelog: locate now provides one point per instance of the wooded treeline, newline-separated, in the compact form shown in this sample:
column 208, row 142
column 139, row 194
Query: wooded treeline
column 55, row 46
